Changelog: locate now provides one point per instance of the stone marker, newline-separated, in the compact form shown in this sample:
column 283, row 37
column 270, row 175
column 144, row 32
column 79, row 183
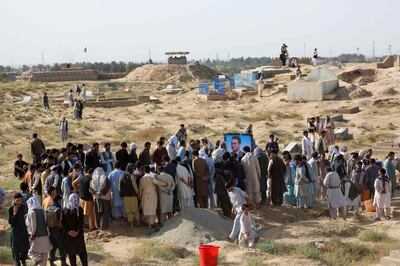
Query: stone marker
column 293, row 148
column 342, row 133
column 349, row 110
column 25, row 100
column 172, row 91
column 144, row 98
column 337, row 118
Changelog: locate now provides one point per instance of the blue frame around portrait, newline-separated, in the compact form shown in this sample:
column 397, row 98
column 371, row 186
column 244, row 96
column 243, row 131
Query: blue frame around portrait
column 245, row 140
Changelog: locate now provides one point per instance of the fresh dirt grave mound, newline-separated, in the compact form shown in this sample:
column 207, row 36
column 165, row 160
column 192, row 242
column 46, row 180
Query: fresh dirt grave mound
column 359, row 93
column 194, row 226
column 358, row 76
column 171, row 73
column 390, row 92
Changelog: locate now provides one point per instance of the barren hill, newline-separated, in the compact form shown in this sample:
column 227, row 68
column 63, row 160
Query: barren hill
column 171, row 73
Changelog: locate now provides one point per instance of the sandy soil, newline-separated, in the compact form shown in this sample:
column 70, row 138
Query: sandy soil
column 376, row 122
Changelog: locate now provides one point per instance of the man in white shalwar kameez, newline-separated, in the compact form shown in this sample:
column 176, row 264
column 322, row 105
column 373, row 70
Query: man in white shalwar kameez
column 336, row 198
column 252, row 173
column 306, row 145
column 382, row 197
column 217, row 154
column 300, row 183
column 148, row 195
column 171, row 147
column 35, row 222
column 184, row 183
column 166, row 197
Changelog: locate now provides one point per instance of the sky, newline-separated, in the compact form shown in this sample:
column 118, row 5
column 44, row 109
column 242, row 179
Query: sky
column 126, row 30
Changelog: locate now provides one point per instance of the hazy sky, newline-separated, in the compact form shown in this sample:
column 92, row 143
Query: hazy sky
column 125, row 30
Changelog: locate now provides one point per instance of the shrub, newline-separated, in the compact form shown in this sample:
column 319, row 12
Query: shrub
column 271, row 247
column 371, row 235
column 255, row 261
column 150, row 249
column 345, row 253
column 309, row 251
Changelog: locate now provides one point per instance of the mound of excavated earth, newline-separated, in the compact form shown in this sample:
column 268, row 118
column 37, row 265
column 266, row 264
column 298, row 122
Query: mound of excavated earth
column 358, row 76
column 171, row 73
column 193, row 226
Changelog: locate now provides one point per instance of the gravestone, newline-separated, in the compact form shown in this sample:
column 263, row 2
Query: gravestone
column 293, row 148
column 342, row 133
column 25, row 100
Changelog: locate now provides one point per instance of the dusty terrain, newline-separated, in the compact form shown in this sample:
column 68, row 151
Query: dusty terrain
column 376, row 93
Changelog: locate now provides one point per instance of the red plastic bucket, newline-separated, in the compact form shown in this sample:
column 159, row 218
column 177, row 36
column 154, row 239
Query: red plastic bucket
column 208, row 255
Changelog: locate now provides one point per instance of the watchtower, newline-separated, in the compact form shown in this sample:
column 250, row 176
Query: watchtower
column 177, row 58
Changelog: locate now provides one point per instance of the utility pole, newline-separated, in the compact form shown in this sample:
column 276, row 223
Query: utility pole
column 149, row 56
column 304, row 48
column 373, row 49
column 42, row 57
column 390, row 49
column 358, row 51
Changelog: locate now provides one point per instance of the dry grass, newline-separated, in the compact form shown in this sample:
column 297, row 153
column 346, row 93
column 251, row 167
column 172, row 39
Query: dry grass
column 371, row 235
column 337, row 253
column 148, row 249
column 5, row 255
column 148, row 133
column 255, row 261
column 96, row 247
column 260, row 116
column 272, row 247
column 9, row 183
column 337, row 229
column 112, row 262
column 308, row 250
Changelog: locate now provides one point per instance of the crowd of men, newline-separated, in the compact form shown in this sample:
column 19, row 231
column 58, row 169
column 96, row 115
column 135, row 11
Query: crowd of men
column 67, row 189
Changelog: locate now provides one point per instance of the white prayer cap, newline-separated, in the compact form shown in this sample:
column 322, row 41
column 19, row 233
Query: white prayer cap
column 173, row 139
column 133, row 146
column 202, row 153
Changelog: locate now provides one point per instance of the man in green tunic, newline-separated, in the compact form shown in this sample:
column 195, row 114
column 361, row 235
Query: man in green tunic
column 19, row 233
column 390, row 168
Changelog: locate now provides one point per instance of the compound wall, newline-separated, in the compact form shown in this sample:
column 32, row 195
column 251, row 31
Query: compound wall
column 67, row 75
